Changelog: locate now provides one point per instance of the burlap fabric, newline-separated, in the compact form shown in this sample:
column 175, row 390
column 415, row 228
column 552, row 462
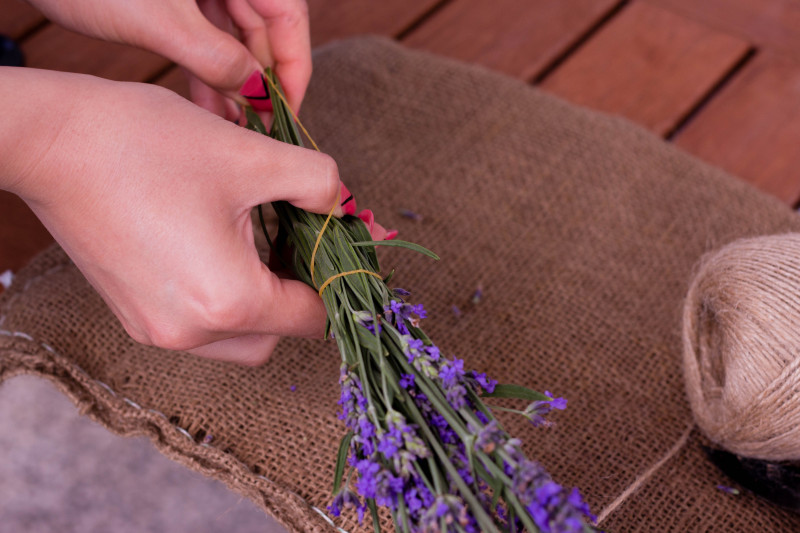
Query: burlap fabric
column 582, row 231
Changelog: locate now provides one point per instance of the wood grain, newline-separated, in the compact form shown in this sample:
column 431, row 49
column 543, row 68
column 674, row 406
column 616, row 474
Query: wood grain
column 55, row 48
column 336, row 19
column 773, row 24
column 648, row 65
column 752, row 127
column 17, row 18
column 175, row 80
column 519, row 38
column 21, row 234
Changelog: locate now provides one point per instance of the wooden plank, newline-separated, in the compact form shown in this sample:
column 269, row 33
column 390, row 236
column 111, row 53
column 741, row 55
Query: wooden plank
column 21, row 234
column 752, row 127
column 18, row 17
column 774, row 24
column 336, row 19
column 175, row 80
column 55, row 48
column 519, row 38
column 649, row 65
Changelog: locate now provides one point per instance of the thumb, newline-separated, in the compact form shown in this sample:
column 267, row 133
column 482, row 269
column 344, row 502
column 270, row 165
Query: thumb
column 305, row 178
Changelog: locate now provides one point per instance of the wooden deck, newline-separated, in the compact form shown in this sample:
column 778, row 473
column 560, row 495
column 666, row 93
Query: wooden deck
column 719, row 78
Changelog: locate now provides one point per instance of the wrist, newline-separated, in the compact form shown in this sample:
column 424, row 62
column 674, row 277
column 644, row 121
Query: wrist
column 40, row 109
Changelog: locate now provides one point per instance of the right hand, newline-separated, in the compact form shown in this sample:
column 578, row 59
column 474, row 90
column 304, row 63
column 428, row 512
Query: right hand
column 150, row 196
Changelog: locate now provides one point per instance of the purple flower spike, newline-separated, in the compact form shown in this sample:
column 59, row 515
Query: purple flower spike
column 556, row 403
column 488, row 384
column 411, row 215
column 407, row 380
column 489, row 437
column 344, row 499
column 365, row 319
column 452, row 372
column 537, row 410
column 477, row 296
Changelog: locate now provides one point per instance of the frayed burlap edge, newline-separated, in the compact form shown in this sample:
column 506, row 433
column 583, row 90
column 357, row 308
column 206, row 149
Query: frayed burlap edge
column 22, row 354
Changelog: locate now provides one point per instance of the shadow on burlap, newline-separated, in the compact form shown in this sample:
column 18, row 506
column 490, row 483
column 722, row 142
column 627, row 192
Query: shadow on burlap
column 582, row 231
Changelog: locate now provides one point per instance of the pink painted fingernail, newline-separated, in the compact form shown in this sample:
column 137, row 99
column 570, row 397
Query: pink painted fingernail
column 347, row 201
column 368, row 217
column 256, row 91
column 391, row 235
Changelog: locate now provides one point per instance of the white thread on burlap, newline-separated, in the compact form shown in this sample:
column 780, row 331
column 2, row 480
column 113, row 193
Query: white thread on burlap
column 646, row 475
column 128, row 401
column 50, row 349
column 741, row 338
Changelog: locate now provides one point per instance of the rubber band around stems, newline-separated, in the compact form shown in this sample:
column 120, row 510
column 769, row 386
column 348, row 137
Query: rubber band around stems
column 330, row 214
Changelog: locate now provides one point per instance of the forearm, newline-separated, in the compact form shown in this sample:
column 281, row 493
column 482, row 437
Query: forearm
column 38, row 106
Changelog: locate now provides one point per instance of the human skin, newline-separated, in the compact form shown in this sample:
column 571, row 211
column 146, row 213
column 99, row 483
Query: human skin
column 198, row 35
column 150, row 194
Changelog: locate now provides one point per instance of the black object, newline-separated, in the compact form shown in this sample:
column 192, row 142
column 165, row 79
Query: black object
column 10, row 54
column 777, row 482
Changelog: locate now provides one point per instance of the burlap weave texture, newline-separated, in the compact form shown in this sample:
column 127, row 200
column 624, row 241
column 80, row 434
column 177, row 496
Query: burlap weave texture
column 582, row 231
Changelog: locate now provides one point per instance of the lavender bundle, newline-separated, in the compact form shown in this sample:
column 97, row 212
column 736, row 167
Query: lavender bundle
column 420, row 440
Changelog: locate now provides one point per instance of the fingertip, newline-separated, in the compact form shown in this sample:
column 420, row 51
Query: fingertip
column 256, row 92
column 347, row 203
column 219, row 60
column 248, row 350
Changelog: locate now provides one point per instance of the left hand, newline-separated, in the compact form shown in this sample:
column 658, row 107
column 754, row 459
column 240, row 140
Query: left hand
column 198, row 35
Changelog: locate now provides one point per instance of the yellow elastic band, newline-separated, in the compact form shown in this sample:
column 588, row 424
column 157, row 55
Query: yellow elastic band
column 330, row 214
column 297, row 120
column 342, row 274
column 319, row 239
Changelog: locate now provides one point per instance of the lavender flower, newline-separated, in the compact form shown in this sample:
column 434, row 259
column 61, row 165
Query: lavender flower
column 365, row 319
column 420, row 441
column 448, row 510
column 407, row 380
column 488, row 437
column 346, row 498
column 536, row 411
column 407, row 213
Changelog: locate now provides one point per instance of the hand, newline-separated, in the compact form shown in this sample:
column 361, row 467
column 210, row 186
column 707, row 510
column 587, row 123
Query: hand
column 198, row 36
column 150, row 196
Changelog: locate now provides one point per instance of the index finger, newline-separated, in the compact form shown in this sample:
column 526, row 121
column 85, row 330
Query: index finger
column 286, row 23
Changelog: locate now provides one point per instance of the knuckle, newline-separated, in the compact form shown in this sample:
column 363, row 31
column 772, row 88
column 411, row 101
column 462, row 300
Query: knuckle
column 221, row 311
column 296, row 15
column 168, row 337
column 329, row 175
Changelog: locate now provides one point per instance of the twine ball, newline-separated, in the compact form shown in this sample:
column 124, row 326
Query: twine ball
column 741, row 347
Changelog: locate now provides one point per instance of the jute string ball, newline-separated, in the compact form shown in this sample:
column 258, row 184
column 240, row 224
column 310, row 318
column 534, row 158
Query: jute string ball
column 741, row 337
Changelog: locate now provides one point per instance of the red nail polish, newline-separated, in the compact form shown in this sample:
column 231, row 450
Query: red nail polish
column 368, row 217
column 391, row 235
column 256, row 91
column 347, row 201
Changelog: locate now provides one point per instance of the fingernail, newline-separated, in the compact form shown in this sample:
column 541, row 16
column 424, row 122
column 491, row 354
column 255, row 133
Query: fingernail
column 256, row 91
column 368, row 217
column 391, row 235
column 346, row 201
